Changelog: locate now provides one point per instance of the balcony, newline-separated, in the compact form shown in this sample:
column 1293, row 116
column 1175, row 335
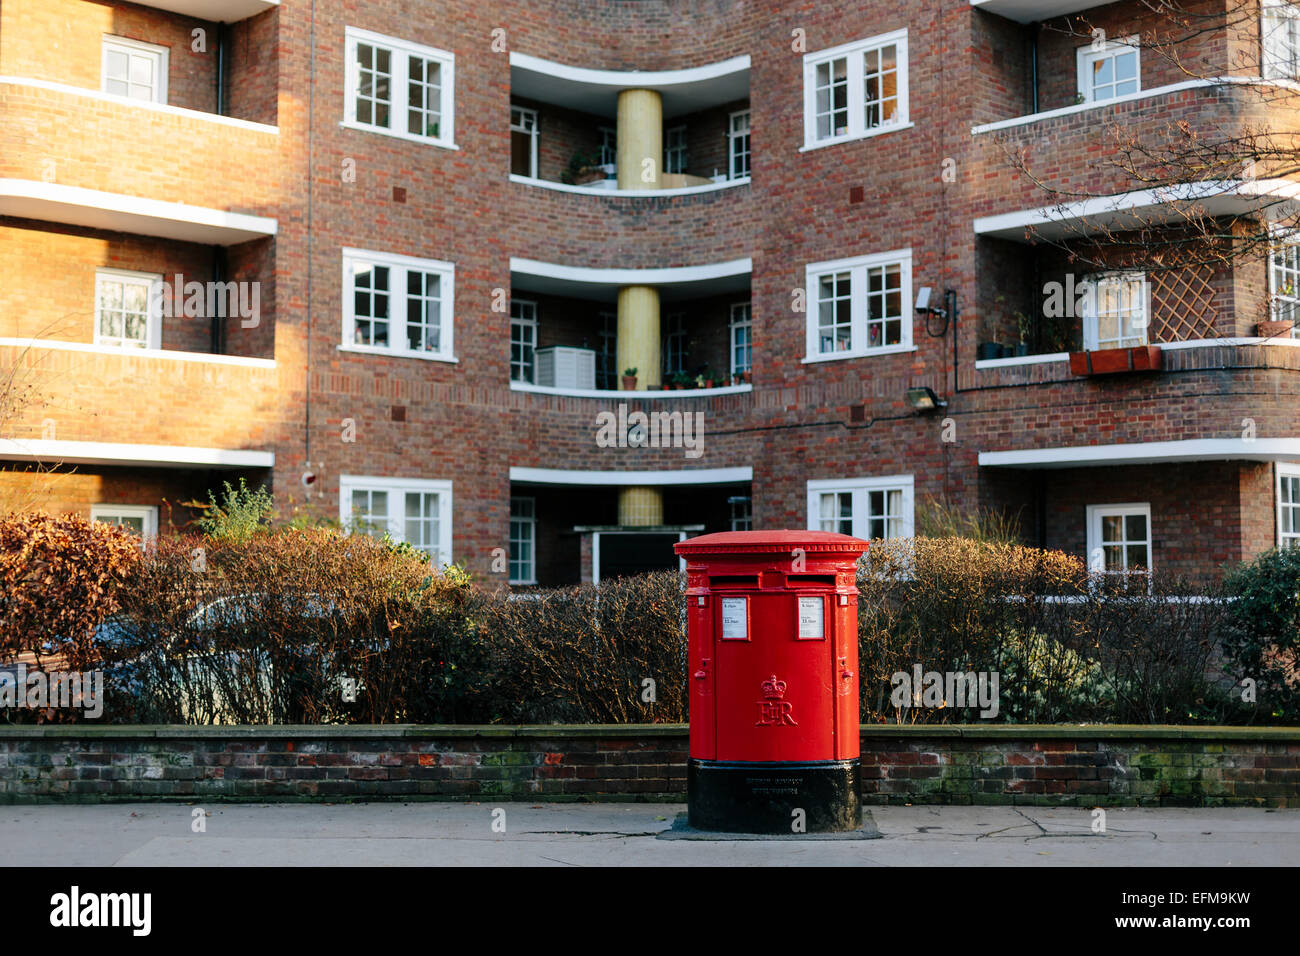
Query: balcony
column 216, row 59
column 566, row 522
column 1077, row 307
column 138, row 280
column 564, row 330
column 564, row 127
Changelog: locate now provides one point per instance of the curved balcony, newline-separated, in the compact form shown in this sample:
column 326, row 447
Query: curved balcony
column 611, row 229
column 676, row 132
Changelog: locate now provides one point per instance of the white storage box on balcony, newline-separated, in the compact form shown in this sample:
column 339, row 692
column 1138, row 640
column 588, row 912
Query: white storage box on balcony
column 559, row 367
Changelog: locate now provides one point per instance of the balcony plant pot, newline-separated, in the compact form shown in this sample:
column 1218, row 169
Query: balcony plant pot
column 988, row 350
column 1272, row 330
column 1022, row 348
column 1005, row 351
column 629, row 383
column 747, row 376
column 1143, row 358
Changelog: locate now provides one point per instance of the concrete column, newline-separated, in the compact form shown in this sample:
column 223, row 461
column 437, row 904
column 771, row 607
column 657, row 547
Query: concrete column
column 637, row 344
column 640, row 507
column 640, row 137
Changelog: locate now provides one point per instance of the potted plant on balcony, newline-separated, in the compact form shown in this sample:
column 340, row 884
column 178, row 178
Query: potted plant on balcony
column 988, row 347
column 1025, row 326
column 629, row 379
column 582, row 169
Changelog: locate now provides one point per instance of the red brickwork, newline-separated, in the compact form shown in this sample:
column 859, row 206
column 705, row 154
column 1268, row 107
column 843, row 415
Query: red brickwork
column 330, row 187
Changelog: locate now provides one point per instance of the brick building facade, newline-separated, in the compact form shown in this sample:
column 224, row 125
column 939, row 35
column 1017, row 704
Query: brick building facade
column 425, row 199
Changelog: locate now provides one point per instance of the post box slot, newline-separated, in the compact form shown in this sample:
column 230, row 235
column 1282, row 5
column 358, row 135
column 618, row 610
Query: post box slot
column 796, row 579
column 734, row 580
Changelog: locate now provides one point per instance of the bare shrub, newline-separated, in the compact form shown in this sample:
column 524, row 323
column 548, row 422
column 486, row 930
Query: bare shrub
column 582, row 654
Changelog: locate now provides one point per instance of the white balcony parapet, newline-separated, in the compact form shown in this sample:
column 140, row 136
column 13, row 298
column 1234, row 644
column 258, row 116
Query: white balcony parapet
column 117, row 453
column 117, row 212
column 1146, row 453
column 611, row 192
column 1143, row 207
column 633, row 395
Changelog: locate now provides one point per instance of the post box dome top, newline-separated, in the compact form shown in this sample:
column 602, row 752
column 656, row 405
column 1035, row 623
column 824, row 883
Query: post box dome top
column 750, row 542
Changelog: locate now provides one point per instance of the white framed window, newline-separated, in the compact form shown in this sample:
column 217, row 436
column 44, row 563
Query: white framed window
column 675, row 149
column 1288, row 506
column 742, row 512
column 400, row 88
column 1284, row 280
column 675, row 343
column 135, row 70
column 523, row 141
column 738, row 145
column 1116, row 311
column 856, row 89
column 859, row 306
column 1280, row 40
column 1119, row 538
column 742, row 341
column 414, row 510
column 867, row 508
column 140, row 520
column 397, row 305
column 523, row 540
column 523, row 341
column 1109, row 68
column 608, row 146
column 607, row 356
column 127, row 312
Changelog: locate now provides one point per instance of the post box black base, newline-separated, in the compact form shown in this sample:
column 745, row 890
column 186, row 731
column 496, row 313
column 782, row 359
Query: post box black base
column 762, row 797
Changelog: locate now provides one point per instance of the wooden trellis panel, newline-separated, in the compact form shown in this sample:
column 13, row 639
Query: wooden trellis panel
column 1182, row 304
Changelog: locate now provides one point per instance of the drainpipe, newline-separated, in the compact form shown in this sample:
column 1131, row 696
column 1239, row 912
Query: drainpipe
column 1035, row 29
column 223, row 58
column 216, row 329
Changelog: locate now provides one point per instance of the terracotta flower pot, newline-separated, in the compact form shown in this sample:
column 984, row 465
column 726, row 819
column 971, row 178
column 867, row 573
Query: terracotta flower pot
column 629, row 383
column 1144, row 358
column 1272, row 330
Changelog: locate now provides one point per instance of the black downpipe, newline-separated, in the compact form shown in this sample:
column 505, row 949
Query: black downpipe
column 223, row 58
column 1035, row 28
column 216, row 328
column 216, row 331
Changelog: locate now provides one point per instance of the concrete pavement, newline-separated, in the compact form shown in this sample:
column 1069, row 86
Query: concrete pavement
column 620, row 834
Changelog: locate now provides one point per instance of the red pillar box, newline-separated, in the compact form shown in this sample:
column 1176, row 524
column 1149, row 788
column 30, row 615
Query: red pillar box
column 772, row 620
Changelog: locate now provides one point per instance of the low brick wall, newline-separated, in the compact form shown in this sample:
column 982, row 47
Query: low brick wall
column 957, row 764
column 1066, row 765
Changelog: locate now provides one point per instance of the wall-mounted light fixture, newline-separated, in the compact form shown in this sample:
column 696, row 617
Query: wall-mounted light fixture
column 923, row 399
